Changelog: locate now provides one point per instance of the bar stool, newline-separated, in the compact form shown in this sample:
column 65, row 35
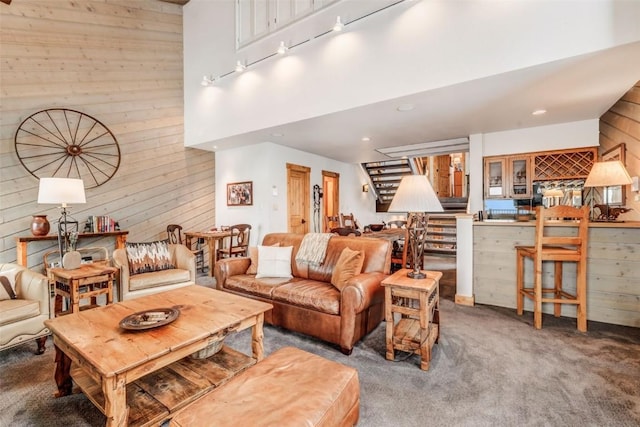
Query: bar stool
column 559, row 249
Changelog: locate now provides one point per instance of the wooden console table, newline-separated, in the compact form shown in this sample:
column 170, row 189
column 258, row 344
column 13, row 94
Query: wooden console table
column 22, row 242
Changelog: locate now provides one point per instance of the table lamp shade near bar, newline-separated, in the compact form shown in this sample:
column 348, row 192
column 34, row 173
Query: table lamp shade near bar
column 415, row 194
column 604, row 174
column 61, row 191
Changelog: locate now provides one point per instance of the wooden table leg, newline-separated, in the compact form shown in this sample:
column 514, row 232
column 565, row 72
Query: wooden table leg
column 212, row 243
column 388, row 316
column 21, row 253
column 63, row 373
column 257, row 335
column 115, row 401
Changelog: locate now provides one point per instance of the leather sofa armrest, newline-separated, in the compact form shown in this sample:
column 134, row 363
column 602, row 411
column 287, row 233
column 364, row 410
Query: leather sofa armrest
column 362, row 291
column 228, row 267
column 34, row 286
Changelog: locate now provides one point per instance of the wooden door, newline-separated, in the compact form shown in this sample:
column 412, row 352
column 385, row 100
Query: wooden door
column 331, row 196
column 298, row 198
column 443, row 177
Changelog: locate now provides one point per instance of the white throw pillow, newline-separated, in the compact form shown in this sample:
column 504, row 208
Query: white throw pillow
column 274, row 261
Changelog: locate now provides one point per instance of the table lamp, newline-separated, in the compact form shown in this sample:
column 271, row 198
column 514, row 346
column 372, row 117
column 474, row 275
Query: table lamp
column 416, row 197
column 607, row 174
column 62, row 191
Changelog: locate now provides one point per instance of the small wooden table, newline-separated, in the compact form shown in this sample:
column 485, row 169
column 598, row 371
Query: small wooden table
column 418, row 303
column 143, row 377
column 212, row 238
column 86, row 281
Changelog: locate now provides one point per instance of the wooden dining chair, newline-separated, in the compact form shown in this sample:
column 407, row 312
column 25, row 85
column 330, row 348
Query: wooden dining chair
column 174, row 235
column 333, row 221
column 348, row 221
column 238, row 243
column 399, row 252
column 551, row 245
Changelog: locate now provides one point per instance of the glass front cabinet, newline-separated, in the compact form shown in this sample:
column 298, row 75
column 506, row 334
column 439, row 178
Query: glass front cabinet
column 507, row 177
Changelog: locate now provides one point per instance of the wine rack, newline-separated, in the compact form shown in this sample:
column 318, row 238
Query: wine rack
column 565, row 164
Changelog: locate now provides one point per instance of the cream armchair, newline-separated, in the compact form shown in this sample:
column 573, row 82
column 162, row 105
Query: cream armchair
column 22, row 319
column 136, row 285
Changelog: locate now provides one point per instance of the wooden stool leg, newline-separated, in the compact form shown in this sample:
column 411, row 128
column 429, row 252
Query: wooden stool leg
column 581, row 296
column 557, row 284
column 537, row 306
column 519, row 282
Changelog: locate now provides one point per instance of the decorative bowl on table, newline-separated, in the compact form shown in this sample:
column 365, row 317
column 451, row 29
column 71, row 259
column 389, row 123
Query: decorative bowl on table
column 149, row 318
column 376, row 227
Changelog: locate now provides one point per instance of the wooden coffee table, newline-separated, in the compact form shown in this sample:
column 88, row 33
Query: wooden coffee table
column 142, row 377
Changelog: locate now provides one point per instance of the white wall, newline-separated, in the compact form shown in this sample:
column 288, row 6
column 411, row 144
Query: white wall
column 424, row 45
column 265, row 165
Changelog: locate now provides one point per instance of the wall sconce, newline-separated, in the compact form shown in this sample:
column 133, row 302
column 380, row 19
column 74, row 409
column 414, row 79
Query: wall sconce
column 365, row 188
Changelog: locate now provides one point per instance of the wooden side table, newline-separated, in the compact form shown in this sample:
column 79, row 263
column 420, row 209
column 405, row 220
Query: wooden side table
column 417, row 301
column 86, row 281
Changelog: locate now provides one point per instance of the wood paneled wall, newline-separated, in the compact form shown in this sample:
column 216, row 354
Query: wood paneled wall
column 621, row 124
column 121, row 62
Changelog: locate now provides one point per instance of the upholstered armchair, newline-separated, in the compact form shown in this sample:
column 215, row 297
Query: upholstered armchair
column 24, row 307
column 145, row 269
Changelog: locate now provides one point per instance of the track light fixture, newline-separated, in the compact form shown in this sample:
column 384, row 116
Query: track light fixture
column 282, row 49
column 208, row 81
column 338, row 26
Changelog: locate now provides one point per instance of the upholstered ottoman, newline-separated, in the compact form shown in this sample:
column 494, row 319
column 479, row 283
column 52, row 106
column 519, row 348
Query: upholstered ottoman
column 288, row 388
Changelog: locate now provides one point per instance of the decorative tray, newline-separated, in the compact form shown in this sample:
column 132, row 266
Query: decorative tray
column 149, row 319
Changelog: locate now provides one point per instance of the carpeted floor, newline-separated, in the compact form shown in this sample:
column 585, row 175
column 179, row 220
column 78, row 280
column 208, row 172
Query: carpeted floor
column 489, row 368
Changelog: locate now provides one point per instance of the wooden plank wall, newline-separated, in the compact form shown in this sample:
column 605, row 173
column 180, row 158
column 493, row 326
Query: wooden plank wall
column 613, row 295
column 621, row 124
column 121, row 62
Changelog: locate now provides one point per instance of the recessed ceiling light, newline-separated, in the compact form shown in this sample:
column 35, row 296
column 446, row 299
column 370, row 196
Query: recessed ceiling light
column 366, row 139
column 277, row 134
column 405, row 107
column 539, row 112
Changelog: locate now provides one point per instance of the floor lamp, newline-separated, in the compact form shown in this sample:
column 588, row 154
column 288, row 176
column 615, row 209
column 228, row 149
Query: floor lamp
column 606, row 174
column 62, row 191
column 416, row 197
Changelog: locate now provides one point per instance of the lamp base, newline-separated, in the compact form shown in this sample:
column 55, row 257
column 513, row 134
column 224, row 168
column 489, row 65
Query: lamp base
column 416, row 275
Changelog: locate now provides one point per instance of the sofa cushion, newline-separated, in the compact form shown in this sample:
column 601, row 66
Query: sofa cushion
column 158, row 278
column 148, row 256
column 349, row 264
column 7, row 290
column 253, row 255
column 274, row 261
column 13, row 310
column 311, row 294
column 248, row 284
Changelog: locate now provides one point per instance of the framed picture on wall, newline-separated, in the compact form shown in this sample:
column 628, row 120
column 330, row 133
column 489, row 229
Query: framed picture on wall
column 240, row 193
column 614, row 195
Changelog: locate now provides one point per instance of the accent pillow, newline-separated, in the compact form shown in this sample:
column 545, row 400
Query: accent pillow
column 274, row 261
column 6, row 288
column 349, row 264
column 149, row 256
column 253, row 254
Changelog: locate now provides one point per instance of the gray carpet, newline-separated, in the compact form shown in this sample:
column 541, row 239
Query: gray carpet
column 489, row 368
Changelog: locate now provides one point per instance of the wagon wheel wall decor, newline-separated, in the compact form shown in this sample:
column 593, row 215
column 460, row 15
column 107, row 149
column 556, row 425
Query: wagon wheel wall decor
column 64, row 143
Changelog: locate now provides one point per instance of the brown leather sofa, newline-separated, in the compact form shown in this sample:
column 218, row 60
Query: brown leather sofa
column 308, row 303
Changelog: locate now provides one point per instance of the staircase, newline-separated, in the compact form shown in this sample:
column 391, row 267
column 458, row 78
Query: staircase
column 441, row 235
column 385, row 177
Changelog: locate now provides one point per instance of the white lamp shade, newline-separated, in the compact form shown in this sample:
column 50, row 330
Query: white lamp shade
column 604, row 174
column 415, row 194
column 61, row 191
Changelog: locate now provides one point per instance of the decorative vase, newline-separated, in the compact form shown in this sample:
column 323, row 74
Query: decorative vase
column 40, row 225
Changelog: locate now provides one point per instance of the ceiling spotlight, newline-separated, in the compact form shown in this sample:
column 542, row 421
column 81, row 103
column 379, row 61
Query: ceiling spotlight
column 366, row 139
column 539, row 112
column 405, row 107
column 338, row 26
column 282, row 49
column 240, row 67
column 208, row 81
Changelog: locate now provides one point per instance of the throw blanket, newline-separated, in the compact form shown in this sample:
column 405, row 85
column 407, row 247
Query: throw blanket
column 313, row 248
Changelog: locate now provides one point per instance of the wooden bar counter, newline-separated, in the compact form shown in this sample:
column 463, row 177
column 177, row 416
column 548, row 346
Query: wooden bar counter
column 613, row 269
